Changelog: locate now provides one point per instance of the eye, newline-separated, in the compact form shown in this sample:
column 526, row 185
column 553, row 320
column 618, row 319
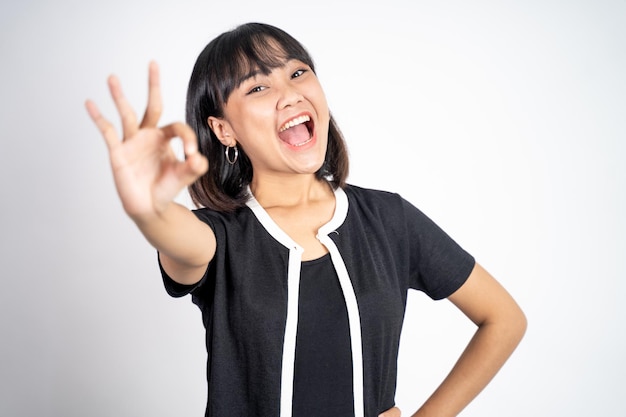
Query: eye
column 298, row 73
column 256, row 89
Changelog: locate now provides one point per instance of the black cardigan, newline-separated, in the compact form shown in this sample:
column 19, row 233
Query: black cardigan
column 380, row 245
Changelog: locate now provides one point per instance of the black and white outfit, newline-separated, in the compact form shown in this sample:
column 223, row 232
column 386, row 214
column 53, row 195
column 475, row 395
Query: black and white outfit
column 286, row 337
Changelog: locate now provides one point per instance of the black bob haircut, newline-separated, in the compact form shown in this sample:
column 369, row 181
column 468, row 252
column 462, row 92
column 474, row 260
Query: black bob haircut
column 220, row 69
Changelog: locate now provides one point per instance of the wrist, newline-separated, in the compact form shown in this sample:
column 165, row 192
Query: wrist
column 150, row 216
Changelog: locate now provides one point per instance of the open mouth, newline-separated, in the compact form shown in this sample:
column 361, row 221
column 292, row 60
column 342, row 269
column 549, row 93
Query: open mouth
column 297, row 131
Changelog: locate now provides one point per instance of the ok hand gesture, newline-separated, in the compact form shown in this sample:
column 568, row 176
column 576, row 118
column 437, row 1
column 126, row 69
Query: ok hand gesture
column 147, row 173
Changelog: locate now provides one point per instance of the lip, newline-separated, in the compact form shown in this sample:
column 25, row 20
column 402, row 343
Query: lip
column 296, row 116
column 298, row 120
column 310, row 126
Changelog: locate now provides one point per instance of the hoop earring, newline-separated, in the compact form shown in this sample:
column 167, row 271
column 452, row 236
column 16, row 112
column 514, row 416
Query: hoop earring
column 231, row 162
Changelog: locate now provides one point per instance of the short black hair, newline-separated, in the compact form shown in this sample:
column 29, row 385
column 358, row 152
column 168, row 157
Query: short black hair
column 220, row 68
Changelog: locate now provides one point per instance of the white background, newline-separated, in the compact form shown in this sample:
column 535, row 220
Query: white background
column 502, row 120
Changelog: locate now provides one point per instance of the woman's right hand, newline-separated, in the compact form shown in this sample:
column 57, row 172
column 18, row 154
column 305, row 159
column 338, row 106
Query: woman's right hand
column 147, row 173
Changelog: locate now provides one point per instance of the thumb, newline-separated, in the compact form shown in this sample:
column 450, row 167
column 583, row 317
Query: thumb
column 192, row 168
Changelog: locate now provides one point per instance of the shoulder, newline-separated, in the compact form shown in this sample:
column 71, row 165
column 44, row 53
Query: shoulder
column 226, row 221
column 374, row 200
column 371, row 196
column 369, row 207
column 210, row 216
column 388, row 207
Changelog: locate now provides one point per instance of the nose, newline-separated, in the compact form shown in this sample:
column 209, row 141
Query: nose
column 289, row 95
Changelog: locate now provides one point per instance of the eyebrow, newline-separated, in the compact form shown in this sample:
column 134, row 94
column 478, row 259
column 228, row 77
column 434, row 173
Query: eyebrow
column 249, row 75
column 253, row 73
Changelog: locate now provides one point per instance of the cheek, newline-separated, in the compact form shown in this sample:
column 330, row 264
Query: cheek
column 251, row 124
column 323, row 111
column 322, row 107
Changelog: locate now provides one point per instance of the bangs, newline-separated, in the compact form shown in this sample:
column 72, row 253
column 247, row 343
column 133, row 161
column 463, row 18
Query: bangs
column 219, row 69
column 251, row 49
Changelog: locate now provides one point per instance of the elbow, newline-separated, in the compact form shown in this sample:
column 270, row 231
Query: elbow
column 516, row 325
column 519, row 326
column 509, row 326
column 522, row 324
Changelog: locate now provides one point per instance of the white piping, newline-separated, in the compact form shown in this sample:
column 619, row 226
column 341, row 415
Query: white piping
column 354, row 318
column 293, row 289
column 293, row 282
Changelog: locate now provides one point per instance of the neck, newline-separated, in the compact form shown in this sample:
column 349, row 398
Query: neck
column 292, row 191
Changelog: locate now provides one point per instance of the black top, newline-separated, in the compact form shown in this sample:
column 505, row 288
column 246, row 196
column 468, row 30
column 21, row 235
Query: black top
column 323, row 366
column 380, row 243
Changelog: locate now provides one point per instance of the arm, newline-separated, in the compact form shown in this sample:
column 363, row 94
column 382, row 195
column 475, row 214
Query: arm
column 148, row 176
column 501, row 325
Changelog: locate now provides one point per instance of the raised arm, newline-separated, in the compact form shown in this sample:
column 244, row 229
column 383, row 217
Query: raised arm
column 501, row 326
column 148, row 177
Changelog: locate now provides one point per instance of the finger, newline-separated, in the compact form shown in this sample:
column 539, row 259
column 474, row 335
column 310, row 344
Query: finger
column 185, row 133
column 104, row 126
column 193, row 167
column 126, row 112
column 195, row 163
column 155, row 104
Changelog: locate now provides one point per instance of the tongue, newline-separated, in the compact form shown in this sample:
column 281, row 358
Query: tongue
column 295, row 135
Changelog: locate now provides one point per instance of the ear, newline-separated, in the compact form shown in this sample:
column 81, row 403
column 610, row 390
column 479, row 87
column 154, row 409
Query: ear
column 222, row 130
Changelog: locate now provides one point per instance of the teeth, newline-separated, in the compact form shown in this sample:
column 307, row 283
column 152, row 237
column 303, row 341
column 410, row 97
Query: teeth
column 295, row 122
column 303, row 143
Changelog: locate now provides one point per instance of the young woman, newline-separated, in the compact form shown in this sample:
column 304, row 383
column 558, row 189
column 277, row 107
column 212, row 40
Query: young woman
column 301, row 278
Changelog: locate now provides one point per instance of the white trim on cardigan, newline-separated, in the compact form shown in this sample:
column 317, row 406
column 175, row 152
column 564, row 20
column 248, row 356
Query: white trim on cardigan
column 293, row 289
column 293, row 282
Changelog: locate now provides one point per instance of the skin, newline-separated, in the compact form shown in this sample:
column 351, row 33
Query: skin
column 148, row 177
column 284, row 180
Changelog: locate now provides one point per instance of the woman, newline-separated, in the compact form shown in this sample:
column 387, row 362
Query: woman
column 301, row 278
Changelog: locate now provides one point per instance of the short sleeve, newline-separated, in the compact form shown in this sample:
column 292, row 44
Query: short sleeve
column 176, row 289
column 439, row 265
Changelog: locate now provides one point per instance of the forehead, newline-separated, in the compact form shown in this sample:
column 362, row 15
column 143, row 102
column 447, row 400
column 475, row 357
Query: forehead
column 260, row 57
column 239, row 55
